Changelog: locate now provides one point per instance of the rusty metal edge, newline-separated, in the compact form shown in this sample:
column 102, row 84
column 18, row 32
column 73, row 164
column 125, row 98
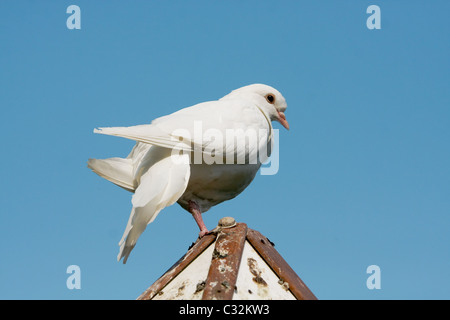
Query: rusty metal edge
column 199, row 246
column 225, row 262
column 276, row 262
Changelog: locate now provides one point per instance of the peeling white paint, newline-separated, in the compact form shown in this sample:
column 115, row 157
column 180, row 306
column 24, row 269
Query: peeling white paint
column 186, row 285
column 257, row 281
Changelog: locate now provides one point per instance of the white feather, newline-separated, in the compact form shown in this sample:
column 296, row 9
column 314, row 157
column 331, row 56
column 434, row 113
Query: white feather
column 117, row 170
column 160, row 186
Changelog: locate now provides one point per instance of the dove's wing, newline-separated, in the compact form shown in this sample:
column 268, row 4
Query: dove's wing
column 162, row 184
column 205, row 126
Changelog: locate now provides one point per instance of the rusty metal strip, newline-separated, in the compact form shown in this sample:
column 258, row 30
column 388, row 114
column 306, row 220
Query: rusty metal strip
column 199, row 246
column 223, row 271
column 279, row 265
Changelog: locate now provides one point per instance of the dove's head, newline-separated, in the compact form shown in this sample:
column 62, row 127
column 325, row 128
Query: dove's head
column 269, row 99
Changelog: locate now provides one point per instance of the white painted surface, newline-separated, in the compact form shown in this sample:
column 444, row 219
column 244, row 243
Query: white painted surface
column 184, row 286
column 257, row 281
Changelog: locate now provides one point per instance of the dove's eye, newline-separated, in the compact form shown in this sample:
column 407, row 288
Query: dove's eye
column 270, row 98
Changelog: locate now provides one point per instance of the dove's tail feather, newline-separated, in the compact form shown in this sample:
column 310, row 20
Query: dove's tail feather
column 117, row 170
column 160, row 186
column 130, row 237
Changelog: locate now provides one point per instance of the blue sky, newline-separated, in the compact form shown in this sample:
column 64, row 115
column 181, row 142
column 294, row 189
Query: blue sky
column 364, row 171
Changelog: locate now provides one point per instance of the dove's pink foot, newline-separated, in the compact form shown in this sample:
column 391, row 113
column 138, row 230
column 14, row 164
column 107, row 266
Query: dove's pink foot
column 194, row 209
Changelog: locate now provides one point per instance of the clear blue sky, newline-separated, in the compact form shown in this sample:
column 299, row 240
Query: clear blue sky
column 364, row 174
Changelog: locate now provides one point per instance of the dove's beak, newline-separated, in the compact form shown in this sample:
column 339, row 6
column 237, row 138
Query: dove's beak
column 282, row 119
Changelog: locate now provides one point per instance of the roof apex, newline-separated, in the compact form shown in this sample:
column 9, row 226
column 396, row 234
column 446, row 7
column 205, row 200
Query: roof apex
column 232, row 262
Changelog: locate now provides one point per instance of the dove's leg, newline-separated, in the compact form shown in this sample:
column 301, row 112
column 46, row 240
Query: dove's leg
column 194, row 209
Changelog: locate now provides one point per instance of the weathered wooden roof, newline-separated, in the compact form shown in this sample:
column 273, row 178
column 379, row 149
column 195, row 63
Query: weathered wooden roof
column 233, row 262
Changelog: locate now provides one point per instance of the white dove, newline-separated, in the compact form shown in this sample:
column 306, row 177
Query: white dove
column 176, row 160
